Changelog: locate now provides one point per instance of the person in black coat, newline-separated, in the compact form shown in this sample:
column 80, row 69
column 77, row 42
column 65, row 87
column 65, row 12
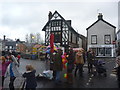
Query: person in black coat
column 70, row 66
column 90, row 61
column 57, row 65
column 31, row 83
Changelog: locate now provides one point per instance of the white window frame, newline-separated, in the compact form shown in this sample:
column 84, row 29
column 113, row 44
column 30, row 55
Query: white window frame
column 93, row 39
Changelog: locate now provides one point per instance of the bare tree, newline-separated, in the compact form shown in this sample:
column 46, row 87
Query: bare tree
column 38, row 37
column 34, row 38
column 31, row 38
column 27, row 38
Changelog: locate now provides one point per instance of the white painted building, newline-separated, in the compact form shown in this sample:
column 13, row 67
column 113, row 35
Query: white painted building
column 119, row 15
column 118, row 32
column 100, row 37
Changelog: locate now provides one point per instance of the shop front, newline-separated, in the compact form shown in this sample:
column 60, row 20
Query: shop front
column 103, row 50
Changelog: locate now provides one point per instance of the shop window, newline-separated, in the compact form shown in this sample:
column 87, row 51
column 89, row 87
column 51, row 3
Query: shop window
column 108, row 51
column 100, row 51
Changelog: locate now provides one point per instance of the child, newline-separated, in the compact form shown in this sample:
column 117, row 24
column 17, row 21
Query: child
column 31, row 83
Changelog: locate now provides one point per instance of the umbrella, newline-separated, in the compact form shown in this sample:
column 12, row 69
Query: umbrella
column 48, row 49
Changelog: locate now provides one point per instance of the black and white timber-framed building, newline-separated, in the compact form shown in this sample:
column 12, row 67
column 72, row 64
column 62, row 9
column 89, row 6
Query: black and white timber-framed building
column 63, row 32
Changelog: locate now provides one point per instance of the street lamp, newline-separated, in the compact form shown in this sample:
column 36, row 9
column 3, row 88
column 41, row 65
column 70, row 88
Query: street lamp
column 33, row 37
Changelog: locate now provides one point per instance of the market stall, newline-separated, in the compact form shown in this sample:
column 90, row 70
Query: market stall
column 42, row 52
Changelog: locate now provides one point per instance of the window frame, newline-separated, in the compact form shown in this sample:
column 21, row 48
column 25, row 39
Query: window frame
column 105, row 36
column 92, row 39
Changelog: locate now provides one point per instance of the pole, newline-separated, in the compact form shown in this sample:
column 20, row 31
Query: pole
column 51, row 47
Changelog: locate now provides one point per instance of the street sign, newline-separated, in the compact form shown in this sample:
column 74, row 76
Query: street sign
column 114, row 42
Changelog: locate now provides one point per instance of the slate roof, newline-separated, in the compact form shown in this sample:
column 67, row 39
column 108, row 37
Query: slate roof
column 62, row 19
column 10, row 43
column 98, row 21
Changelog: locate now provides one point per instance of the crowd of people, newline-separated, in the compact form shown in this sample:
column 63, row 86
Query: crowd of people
column 73, row 63
column 9, row 63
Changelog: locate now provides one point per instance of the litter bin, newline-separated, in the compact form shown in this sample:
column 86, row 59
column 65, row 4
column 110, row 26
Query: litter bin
column 33, row 57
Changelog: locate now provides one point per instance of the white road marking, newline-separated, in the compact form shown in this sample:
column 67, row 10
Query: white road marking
column 113, row 75
column 90, row 78
column 92, row 75
column 87, row 83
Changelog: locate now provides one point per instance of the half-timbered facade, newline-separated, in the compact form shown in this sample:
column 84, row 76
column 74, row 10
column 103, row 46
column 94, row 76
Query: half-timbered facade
column 62, row 30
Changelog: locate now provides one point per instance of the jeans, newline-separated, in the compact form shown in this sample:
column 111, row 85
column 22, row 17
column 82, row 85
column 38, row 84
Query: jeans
column 90, row 67
column 3, row 78
column 11, row 84
column 80, row 68
column 57, row 78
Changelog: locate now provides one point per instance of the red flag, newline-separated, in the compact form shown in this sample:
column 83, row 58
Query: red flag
column 52, row 42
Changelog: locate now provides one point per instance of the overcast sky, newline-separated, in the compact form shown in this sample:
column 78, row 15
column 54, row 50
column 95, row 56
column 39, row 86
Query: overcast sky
column 19, row 17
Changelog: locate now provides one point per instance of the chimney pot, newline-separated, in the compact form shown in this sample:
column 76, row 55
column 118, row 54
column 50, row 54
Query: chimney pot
column 49, row 15
column 100, row 16
column 4, row 37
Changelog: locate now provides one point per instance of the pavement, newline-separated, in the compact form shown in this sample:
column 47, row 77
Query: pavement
column 39, row 65
column 18, row 82
column 88, row 81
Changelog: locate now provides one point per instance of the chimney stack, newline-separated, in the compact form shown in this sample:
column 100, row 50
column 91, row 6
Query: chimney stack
column 100, row 16
column 4, row 37
column 49, row 15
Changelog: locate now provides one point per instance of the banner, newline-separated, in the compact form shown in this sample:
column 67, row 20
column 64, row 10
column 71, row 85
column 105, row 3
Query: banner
column 52, row 42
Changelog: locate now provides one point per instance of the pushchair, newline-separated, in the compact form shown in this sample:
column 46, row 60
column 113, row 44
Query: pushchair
column 100, row 68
